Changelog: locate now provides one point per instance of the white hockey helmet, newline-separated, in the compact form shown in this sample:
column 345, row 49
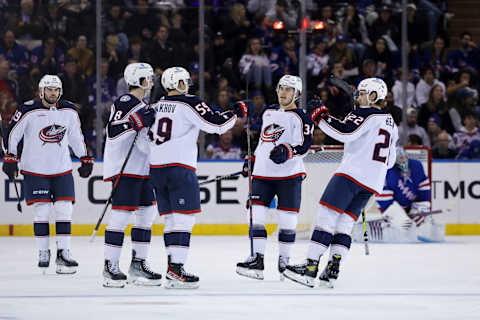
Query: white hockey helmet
column 135, row 72
column 172, row 77
column 292, row 82
column 50, row 81
column 376, row 85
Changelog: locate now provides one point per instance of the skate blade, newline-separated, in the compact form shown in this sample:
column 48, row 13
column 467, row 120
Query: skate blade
column 326, row 284
column 282, row 277
column 176, row 284
column 109, row 283
column 43, row 270
column 66, row 270
column 144, row 282
column 253, row 274
column 303, row 280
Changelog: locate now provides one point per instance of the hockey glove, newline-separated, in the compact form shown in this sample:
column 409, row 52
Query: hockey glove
column 10, row 166
column 142, row 118
column 281, row 153
column 86, row 168
column 241, row 109
column 245, row 165
column 317, row 110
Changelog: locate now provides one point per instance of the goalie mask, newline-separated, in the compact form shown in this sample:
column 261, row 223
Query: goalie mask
column 371, row 85
column 292, row 82
column 50, row 81
column 135, row 72
column 171, row 79
column 402, row 160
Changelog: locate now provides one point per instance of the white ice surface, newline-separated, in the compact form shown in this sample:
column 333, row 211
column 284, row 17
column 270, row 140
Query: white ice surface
column 414, row 281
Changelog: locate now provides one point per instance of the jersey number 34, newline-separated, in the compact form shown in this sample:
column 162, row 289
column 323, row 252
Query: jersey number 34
column 164, row 131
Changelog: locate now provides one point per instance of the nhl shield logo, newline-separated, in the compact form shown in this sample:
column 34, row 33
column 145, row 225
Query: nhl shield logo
column 52, row 134
column 272, row 133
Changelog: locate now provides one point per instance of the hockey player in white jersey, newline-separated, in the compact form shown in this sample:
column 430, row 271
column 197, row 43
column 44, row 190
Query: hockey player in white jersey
column 173, row 161
column 48, row 127
column 278, row 170
column 370, row 135
column 129, row 119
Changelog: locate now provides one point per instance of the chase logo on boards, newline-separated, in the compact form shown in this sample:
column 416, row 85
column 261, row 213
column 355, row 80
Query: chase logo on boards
column 52, row 134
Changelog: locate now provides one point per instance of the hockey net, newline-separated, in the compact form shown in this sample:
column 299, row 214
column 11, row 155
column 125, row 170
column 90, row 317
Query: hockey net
column 320, row 164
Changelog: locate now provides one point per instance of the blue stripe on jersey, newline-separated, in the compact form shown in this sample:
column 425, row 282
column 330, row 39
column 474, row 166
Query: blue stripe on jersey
column 201, row 108
column 353, row 120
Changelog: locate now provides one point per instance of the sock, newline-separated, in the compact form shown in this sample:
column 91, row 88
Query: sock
column 113, row 245
column 319, row 242
column 286, row 239
column 42, row 234
column 141, row 242
column 177, row 244
column 259, row 235
column 340, row 245
column 64, row 231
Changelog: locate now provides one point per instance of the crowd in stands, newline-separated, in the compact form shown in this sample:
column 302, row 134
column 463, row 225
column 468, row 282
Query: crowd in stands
column 246, row 52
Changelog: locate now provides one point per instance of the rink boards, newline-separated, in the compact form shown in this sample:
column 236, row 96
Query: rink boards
column 455, row 186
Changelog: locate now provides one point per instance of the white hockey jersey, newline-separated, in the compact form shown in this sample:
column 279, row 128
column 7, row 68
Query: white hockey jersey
column 174, row 134
column 279, row 126
column 119, row 138
column 370, row 137
column 46, row 134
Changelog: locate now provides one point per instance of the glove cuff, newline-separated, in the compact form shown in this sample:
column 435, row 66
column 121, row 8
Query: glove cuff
column 87, row 160
column 290, row 151
column 136, row 121
column 319, row 114
column 10, row 158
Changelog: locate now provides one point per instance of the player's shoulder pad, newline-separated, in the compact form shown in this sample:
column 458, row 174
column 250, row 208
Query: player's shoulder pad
column 30, row 105
column 415, row 164
column 65, row 104
column 269, row 107
column 126, row 101
column 303, row 116
column 185, row 98
column 366, row 112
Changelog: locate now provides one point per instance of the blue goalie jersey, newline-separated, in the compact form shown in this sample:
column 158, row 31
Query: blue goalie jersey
column 405, row 188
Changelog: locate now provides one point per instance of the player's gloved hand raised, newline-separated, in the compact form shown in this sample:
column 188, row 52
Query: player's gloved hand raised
column 245, row 165
column 86, row 168
column 281, row 153
column 317, row 110
column 241, row 109
column 142, row 118
column 10, row 166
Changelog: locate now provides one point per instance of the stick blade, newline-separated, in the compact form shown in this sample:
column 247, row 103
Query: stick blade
column 19, row 207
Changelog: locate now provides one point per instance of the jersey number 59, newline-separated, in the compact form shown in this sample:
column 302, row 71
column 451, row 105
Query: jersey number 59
column 381, row 145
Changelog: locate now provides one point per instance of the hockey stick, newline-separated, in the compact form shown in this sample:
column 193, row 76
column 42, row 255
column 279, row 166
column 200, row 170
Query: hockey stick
column 249, row 162
column 424, row 214
column 19, row 205
column 365, row 233
column 114, row 189
column 228, row 176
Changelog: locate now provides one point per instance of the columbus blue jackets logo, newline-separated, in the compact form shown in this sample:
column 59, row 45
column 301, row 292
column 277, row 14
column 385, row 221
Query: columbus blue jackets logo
column 52, row 134
column 272, row 133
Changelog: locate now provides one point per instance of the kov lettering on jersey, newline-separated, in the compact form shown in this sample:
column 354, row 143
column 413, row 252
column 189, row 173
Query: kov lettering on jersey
column 165, row 107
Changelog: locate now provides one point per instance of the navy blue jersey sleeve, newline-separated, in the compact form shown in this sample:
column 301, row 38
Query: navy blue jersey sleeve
column 418, row 175
column 306, row 132
column 120, row 111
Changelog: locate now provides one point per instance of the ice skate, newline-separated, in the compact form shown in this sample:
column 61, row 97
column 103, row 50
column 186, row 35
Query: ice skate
column 303, row 273
column 252, row 267
column 330, row 273
column 65, row 262
column 140, row 273
column 44, row 260
column 282, row 264
column 178, row 278
column 113, row 277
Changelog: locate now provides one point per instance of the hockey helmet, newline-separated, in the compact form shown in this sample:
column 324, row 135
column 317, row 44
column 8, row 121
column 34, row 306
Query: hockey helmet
column 402, row 160
column 135, row 72
column 172, row 77
column 50, row 81
column 376, row 85
column 292, row 82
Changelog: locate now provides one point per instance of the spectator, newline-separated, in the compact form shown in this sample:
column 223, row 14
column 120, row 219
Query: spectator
column 385, row 26
column 413, row 59
column 255, row 66
column 48, row 57
column 15, row 53
column 471, row 152
column 29, row 88
column 463, row 79
column 260, row 6
column 74, row 87
column 256, row 118
column 117, row 59
column 223, row 100
column 223, row 58
column 84, row 57
column 318, row 137
column 441, row 150
column 466, row 56
column 27, row 24
column 142, row 22
column 332, row 27
column 108, row 88
column 354, row 28
column 416, row 28
column 57, row 23
column 436, row 57
column 382, row 57
column 6, row 84
column 136, row 51
column 434, row 129
column 115, row 23
column 7, row 108
column 176, row 31
column 465, row 103
column 468, row 133
column 397, row 91
column 369, row 68
column 317, row 63
column 282, row 11
column 393, row 109
column 414, row 140
column 224, row 149
column 425, row 85
column 410, row 127
column 284, row 59
column 163, row 55
column 236, row 30
column 340, row 52
column 435, row 105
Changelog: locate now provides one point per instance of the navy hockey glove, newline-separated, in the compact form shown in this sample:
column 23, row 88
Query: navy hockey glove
column 10, row 166
column 86, row 168
column 241, row 109
column 281, row 153
column 245, row 165
column 142, row 118
column 317, row 110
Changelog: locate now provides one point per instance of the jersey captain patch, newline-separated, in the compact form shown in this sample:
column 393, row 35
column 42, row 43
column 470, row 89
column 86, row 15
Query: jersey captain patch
column 52, row 134
column 272, row 133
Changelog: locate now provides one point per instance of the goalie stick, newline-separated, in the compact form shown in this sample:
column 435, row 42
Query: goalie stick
column 424, row 214
column 226, row 177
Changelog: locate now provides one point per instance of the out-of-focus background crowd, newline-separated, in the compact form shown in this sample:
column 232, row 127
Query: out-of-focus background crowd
column 248, row 46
